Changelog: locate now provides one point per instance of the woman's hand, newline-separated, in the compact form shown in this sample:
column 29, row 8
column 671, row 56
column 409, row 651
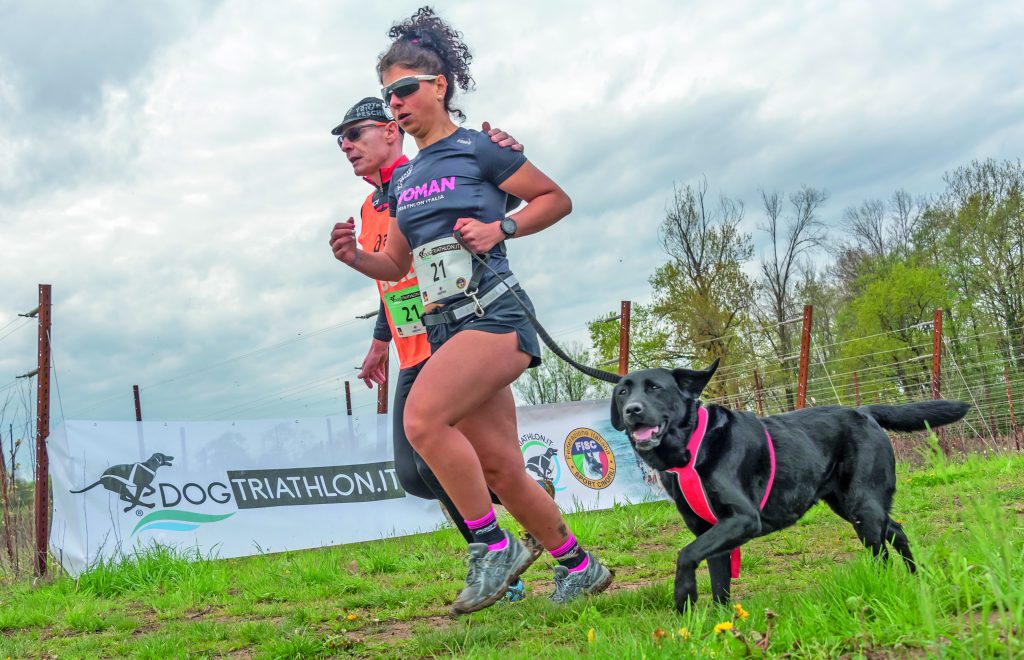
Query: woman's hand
column 343, row 242
column 479, row 236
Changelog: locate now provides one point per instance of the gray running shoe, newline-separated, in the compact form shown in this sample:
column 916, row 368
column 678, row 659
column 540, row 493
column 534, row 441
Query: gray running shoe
column 594, row 579
column 490, row 574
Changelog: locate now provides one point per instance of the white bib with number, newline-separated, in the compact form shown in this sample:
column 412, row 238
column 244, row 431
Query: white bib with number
column 443, row 268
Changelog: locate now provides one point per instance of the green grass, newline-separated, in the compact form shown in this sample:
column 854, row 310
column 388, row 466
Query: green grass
column 808, row 591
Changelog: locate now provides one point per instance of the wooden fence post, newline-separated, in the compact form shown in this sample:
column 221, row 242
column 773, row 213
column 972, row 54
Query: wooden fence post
column 1009, row 401
column 138, row 403
column 937, row 371
column 382, row 389
column 805, row 353
column 758, row 399
column 42, row 485
column 624, row 337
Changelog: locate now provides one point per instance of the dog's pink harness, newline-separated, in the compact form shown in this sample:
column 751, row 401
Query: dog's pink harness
column 693, row 489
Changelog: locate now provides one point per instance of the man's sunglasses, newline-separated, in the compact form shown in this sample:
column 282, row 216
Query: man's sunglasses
column 403, row 87
column 354, row 133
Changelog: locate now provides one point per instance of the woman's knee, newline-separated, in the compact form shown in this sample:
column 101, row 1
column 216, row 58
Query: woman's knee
column 503, row 480
column 420, row 429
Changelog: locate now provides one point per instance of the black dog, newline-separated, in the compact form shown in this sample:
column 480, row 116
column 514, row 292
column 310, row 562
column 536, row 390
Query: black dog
column 131, row 480
column 839, row 455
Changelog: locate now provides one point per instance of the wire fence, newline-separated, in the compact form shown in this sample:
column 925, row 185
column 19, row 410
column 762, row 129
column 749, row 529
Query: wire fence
column 891, row 367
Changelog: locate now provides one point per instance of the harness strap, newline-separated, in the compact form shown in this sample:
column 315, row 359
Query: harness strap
column 463, row 308
column 692, row 487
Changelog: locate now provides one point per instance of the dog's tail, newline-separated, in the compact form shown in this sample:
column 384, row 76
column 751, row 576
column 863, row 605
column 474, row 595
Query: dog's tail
column 914, row 416
column 92, row 485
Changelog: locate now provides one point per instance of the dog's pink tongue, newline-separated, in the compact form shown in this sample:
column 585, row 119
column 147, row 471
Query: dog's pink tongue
column 645, row 433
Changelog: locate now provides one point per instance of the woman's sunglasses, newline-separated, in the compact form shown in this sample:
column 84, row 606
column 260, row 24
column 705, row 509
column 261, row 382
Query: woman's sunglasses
column 354, row 133
column 403, row 87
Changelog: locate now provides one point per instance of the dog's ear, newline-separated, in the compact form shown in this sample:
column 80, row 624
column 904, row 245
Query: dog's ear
column 616, row 415
column 693, row 382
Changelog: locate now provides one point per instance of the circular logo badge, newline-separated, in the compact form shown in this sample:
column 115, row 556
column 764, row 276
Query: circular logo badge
column 460, row 283
column 541, row 458
column 589, row 458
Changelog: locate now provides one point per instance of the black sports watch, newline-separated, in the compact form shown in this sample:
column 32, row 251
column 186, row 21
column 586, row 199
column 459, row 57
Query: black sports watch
column 508, row 227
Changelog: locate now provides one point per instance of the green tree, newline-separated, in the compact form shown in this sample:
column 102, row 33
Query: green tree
column 976, row 230
column 702, row 292
column 891, row 320
column 555, row 381
column 651, row 343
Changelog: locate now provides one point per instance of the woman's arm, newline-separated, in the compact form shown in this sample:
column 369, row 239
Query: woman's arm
column 391, row 265
column 546, row 205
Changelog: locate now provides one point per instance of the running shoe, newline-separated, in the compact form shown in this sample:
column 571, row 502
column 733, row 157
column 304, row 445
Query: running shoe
column 594, row 579
column 490, row 574
column 516, row 592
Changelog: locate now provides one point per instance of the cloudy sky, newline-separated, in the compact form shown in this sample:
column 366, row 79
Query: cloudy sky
column 168, row 167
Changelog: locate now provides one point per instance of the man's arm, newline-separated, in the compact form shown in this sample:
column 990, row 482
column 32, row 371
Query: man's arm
column 381, row 329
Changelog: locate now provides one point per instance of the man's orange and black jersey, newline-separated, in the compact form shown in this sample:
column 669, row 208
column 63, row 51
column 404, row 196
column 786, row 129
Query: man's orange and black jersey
column 373, row 236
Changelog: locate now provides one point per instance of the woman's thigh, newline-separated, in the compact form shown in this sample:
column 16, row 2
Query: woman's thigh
column 463, row 375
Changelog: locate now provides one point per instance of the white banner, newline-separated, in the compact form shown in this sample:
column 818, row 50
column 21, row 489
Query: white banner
column 229, row 489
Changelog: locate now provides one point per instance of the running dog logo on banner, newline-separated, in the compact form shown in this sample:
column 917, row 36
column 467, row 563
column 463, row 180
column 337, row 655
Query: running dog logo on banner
column 589, row 458
column 134, row 481
column 541, row 457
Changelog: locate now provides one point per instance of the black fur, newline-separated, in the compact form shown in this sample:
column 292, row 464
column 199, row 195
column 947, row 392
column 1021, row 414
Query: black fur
column 836, row 454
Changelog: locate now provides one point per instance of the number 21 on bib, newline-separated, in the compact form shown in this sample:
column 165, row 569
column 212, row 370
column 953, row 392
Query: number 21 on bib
column 443, row 268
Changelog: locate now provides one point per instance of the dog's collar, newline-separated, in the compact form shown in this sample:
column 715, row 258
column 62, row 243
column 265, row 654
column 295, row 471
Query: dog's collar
column 692, row 487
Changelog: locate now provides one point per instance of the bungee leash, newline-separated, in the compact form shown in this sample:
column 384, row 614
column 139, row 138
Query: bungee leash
column 555, row 348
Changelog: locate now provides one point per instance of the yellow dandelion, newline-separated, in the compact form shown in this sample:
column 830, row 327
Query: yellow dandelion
column 352, row 617
column 684, row 633
column 740, row 612
column 591, row 636
column 722, row 627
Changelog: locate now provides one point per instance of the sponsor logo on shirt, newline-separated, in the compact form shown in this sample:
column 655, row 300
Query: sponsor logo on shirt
column 433, row 187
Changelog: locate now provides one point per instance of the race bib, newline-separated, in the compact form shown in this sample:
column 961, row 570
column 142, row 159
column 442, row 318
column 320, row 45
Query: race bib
column 406, row 309
column 443, row 268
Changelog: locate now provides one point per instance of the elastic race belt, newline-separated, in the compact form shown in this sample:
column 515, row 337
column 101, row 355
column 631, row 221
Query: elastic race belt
column 476, row 305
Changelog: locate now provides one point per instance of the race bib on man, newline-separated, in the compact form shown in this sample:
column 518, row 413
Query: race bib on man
column 405, row 308
column 443, row 268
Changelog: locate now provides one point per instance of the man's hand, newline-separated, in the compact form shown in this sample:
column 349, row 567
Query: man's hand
column 372, row 370
column 479, row 236
column 343, row 241
column 501, row 138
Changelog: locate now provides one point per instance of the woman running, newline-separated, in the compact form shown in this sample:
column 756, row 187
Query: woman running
column 460, row 415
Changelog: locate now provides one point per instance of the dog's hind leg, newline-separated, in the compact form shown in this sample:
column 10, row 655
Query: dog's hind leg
column 720, row 568
column 871, row 522
column 894, row 534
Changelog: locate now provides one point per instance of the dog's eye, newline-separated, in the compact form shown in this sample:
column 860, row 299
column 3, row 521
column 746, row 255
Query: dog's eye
column 623, row 391
column 653, row 386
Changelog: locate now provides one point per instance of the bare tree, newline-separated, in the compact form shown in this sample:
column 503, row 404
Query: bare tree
column 790, row 243
column 703, row 291
column 905, row 214
column 866, row 224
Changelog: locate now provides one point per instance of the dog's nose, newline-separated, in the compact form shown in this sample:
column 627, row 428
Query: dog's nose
column 634, row 409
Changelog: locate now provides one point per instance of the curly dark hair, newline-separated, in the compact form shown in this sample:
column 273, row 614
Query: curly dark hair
column 426, row 43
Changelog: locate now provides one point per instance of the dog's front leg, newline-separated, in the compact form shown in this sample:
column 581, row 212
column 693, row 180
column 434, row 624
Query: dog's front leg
column 729, row 533
column 720, row 568
column 685, row 590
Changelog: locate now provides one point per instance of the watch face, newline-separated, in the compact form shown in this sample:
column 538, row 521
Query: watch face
column 508, row 226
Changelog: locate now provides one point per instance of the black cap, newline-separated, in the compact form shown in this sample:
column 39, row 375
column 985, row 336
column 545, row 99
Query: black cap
column 369, row 108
